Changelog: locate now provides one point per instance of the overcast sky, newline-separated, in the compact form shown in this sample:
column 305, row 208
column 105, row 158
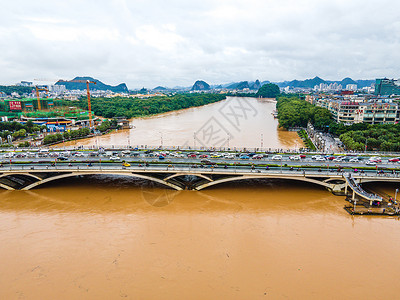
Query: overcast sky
column 147, row 43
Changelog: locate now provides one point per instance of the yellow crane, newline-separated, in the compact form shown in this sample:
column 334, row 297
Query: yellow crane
column 87, row 89
column 38, row 95
column 88, row 95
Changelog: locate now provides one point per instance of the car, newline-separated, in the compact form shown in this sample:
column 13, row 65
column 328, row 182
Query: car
column 294, row 157
column 207, row 162
column 316, row 157
column 338, row 159
column 115, row 158
column 257, row 156
column 375, row 159
column 62, row 158
column 203, row 156
column 320, row 158
column 331, row 157
column 370, row 163
column 230, row 156
column 125, row 164
column 302, row 156
column 161, row 157
column 244, row 157
column 355, row 159
column 191, row 155
column 276, row 157
column 394, row 160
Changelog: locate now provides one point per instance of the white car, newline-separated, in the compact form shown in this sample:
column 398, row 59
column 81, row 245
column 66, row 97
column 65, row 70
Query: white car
column 354, row 160
column 115, row 158
column 320, row 158
column 316, row 157
column 277, row 157
column 370, row 163
column 294, row 157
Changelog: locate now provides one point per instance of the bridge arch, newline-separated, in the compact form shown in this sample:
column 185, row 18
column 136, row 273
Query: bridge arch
column 245, row 177
column 183, row 174
column 61, row 176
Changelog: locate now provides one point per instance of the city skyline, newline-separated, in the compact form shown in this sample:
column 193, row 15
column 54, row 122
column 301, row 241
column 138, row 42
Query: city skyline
column 149, row 44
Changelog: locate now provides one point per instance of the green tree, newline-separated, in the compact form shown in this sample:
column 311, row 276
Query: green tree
column 268, row 90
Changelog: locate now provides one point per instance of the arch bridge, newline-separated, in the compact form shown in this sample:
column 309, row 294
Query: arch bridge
column 187, row 178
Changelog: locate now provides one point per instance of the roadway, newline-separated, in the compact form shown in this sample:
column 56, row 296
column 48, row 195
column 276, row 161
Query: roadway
column 196, row 158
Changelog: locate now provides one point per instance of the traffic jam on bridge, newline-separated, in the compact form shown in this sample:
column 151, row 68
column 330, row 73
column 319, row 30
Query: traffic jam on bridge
column 146, row 157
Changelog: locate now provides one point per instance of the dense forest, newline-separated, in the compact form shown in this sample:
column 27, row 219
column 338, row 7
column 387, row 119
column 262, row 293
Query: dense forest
column 295, row 112
column 132, row 107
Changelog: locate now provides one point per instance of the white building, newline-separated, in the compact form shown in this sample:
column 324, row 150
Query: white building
column 351, row 87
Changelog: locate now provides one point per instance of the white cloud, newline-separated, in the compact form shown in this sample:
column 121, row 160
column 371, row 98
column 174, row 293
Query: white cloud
column 155, row 42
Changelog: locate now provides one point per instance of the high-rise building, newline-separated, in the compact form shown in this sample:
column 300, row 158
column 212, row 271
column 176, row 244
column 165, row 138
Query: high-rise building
column 387, row 87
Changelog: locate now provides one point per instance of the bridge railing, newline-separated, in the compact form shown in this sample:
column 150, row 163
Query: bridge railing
column 176, row 168
column 356, row 188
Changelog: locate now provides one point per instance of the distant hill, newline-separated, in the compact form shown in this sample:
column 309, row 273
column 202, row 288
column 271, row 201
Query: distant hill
column 200, row 85
column 239, row 85
column 252, row 85
column 255, row 85
column 159, row 88
column 99, row 86
column 310, row 83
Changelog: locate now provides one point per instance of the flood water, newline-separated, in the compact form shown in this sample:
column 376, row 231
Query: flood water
column 234, row 122
column 122, row 238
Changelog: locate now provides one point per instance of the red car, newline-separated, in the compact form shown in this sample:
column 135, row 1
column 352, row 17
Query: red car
column 192, row 155
column 203, row 156
column 394, row 160
column 302, row 156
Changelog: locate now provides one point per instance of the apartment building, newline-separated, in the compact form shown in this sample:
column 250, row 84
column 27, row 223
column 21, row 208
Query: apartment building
column 374, row 111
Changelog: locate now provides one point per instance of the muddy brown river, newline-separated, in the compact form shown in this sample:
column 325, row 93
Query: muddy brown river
column 234, row 122
column 122, row 238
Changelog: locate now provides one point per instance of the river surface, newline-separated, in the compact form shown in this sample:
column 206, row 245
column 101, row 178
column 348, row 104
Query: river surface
column 122, row 238
column 234, row 122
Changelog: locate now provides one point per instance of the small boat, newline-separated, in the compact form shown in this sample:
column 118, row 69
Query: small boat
column 275, row 114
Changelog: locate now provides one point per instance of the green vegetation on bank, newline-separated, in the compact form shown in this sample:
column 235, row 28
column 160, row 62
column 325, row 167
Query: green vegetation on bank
column 67, row 135
column 17, row 130
column 304, row 136
column 296, row 112
column 132, row 107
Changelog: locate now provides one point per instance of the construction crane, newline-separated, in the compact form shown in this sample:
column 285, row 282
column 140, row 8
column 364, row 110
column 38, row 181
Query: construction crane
column 87, row 89
column 38, row 95
column 88, row 96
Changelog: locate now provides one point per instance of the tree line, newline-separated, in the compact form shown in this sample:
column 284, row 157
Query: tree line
column 9, row 89
column 67, row 135
column 132, row 107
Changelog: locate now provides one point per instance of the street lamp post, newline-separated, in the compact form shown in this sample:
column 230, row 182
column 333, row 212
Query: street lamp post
column 161, row 139
column 262, row 141
column 395, row 194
